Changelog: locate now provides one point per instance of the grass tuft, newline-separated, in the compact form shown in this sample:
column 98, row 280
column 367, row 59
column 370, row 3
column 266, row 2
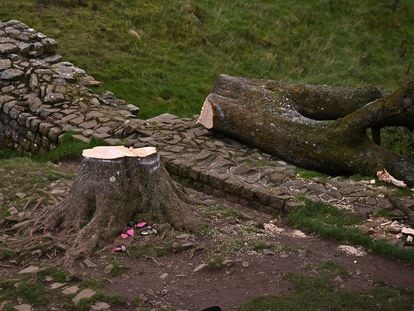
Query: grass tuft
column 329, row 222
column 320, row 293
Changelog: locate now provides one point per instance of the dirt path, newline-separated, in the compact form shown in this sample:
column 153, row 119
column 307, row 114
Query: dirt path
column 232, row 285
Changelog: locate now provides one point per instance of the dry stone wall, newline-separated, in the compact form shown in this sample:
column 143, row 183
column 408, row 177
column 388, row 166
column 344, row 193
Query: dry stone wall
column 42, row 97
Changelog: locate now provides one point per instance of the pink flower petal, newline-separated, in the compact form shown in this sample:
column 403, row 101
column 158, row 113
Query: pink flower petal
column 141, row 224
column 130, row 232
column 124, row 235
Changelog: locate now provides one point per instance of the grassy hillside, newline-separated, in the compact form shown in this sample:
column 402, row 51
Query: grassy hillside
column 182, row 45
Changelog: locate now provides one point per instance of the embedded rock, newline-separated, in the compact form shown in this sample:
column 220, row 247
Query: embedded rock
column 11, row 74
column 8, row 48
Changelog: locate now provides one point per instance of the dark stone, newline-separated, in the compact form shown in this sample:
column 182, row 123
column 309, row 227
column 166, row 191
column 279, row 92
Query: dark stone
column 14, row 113
column 233, row 185
column 101, row 135
column 49, row 45
column 217, row 180
column 44, row 128
column 219, row 193
column 53, row 59
column 7, row 106
column 54, row 133
column 53, row 98
column 23, row 47
column 8, row 48
column 22, row 118
column 88, row 124
column 34, row 125
column 33, row 101
column 5, row 99
column 5, row 64
column 316, row 188
column 11, row 74
column 82, row 138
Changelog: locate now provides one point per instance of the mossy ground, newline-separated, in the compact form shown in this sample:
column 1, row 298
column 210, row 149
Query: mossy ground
column 36, row 291
column 318, row 291
column 332, row 223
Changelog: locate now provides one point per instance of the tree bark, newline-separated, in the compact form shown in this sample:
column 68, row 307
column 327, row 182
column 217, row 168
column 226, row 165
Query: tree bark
column 110, row 190
column 315, row 127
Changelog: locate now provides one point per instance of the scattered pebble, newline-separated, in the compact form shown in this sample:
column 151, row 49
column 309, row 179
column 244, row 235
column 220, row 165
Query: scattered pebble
column 100, row 306
column 49, row 278
column 200, row 267
column 20, row 195
column 70, row 290
column 57, row 285
column 245, row 264
column 299, row 234
column 13, row 211
column 163, row 276
column 108, row 268
column 394, row 229
column 23, row 307
column 350, row 250
column 85, row 293
column 37, row 253
column 407, row 230
column 30, row 269
column 89, row 263
column 272, row 228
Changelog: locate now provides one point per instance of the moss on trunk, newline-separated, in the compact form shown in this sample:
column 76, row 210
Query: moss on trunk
column 289, row 121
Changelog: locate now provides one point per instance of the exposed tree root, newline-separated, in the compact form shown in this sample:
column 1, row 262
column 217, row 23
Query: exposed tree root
column 104, row 197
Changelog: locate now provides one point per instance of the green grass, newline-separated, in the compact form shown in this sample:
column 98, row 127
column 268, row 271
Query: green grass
column 216, row 262
column 185, row 44
column 318, row 292
column 224, row 212
column 117, row 268
column 30, row 291
column 57, row 274
column 23, row 175
column 68, row 149
column 329, row 222
column 140, row 250
column 308, row 174
column 258, row 245
column 112, row 299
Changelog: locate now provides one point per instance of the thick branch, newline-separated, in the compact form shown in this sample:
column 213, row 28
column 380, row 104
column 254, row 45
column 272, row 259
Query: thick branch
column 380, row 111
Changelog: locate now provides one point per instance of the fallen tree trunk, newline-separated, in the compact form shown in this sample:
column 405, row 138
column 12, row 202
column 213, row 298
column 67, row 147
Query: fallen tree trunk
column 114, row 185
column 315, row 127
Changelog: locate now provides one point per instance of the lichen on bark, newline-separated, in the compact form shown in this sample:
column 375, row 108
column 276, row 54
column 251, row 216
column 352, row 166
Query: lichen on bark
column 315, row 127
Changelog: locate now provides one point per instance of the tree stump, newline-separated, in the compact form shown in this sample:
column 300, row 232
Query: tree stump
column 320, row 128
column 113, row 185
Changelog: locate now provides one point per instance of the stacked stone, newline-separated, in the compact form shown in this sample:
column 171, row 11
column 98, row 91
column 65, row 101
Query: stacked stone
column 42, row 97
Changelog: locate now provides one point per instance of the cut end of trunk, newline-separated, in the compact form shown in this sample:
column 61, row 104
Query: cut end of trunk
column 206, row 115
column 116, row 152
